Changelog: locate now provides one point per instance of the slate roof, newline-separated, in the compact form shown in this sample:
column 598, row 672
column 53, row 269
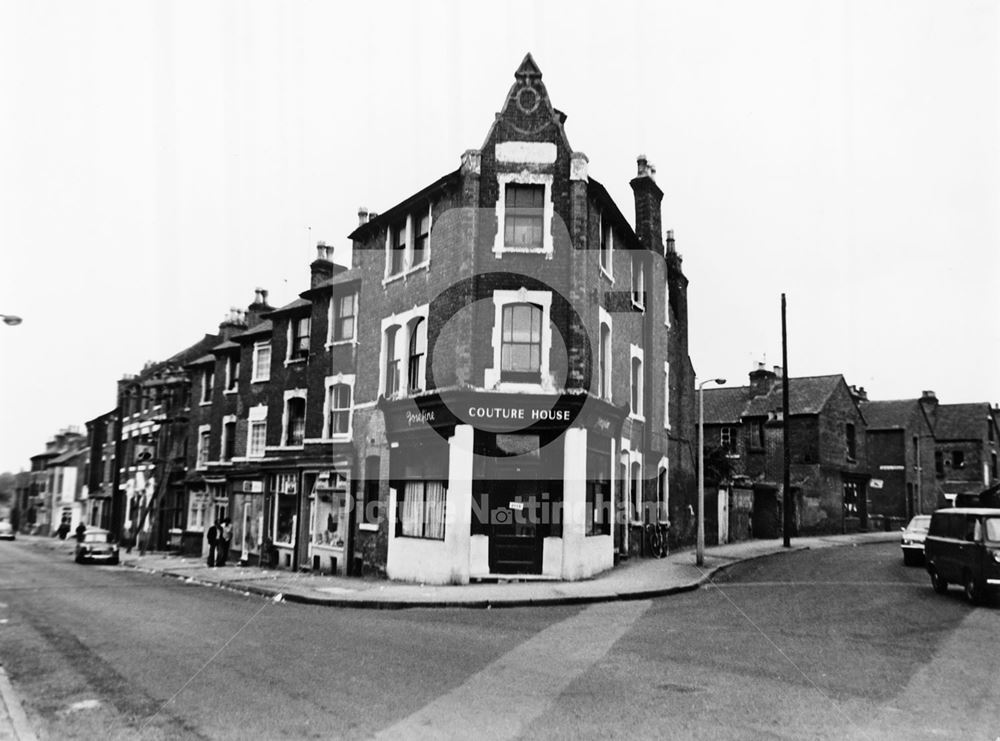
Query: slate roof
column 227, row 345
column 67, row 457
column 290, row 307
column 961, row 421
column 263, row 328
column 203, row 360
column 889, row 415
column 346, row 276
column 806, row 395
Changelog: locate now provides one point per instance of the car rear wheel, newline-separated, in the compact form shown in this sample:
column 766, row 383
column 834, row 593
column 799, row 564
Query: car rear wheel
column 939, row 584
column 973, row 590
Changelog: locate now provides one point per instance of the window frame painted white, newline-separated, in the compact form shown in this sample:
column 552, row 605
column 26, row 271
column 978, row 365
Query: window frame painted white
column 224, row 439
column 606, row 247
column 404, row 322
column 341, row 379
column 288, row 395
column 334, row 317
column 666, row 394
column 256, row 415
column 636, row 353
column 492, row 375
column 524, row 177
column 605, row 359
column 256, row 366
column 204, row 441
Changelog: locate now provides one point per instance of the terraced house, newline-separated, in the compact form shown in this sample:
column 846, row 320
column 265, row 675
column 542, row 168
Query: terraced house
column 499, row 381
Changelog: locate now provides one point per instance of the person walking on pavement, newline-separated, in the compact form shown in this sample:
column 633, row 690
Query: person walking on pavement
column 80, row 530
column 225, row 538
column 213, row 543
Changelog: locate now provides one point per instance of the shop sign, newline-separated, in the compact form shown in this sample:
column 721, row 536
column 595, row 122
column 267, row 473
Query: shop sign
column 892, row 468
column 877, row 483
column 517, row 506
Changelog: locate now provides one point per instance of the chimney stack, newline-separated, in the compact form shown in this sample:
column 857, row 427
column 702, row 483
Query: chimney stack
column 362, row 215
column 648, row 199
column 234, row 322
column 258, row 307
column 777, row 371
column 671, row 245
column 762, row 380
column 321, row 269
column 858, row 393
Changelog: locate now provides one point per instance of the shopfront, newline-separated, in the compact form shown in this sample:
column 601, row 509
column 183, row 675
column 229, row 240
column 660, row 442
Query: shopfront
column 496, row 485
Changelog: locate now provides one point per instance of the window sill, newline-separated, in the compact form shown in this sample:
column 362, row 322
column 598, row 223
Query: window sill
column 279, row 448
column 294, row 361
column 368, row 527
column 499, row 252
column 610, row 278
column 204, row 403
column 638, row 306
column 230, row 392
column 340, row 343
column 636, row 417
column 425, row 265
column 260, row 380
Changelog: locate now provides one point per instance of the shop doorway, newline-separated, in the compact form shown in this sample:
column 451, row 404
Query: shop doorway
column 515, row 529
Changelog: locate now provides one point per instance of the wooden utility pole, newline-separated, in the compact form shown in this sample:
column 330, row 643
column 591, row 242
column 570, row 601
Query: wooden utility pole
column 785, row 437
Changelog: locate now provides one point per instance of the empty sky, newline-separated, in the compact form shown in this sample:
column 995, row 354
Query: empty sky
column 160, row 160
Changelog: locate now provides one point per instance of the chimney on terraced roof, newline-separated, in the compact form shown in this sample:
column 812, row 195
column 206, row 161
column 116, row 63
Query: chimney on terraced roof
column 321, row 268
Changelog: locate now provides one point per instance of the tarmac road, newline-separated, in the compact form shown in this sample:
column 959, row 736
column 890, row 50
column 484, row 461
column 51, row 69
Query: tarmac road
column 832, row 643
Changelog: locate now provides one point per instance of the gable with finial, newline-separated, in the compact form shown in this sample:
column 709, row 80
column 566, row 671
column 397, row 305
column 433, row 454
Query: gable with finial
column 527, row 111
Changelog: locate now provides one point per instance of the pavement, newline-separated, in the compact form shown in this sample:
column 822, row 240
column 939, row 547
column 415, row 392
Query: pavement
column 635, row 579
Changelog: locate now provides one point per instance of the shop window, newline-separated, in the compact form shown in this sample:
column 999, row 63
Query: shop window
column 284, row 519
column 232, row 372
column 261, row 362
column 421, row 510
column 852, row 441
column 345, row 309
column 329, row 515
column 521, row 343
column 599, row 512
column 417, row 354
column 370, row 506
column 851, row 496
column 298, row 339
column 295, row 421
column 339, row 410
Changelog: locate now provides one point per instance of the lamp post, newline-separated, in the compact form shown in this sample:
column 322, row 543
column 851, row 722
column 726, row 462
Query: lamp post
column 700, row 551
column 11, row 320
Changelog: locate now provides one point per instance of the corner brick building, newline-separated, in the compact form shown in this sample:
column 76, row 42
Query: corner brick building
column 499, row 382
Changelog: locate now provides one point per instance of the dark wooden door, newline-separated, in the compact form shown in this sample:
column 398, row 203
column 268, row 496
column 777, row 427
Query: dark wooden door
column 515, row 531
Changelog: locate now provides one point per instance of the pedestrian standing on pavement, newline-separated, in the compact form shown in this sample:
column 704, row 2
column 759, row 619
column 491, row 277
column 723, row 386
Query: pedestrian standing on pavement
column 213, row 543
column 80, row 530
column 225, row 538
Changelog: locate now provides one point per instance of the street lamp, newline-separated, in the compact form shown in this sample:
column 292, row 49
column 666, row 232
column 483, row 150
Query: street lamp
column 11, row 319
column 700, row 552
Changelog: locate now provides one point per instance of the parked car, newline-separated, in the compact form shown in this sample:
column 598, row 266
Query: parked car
column 6, row 530
column 95, row 547
column 913, row 540
column 963, row 547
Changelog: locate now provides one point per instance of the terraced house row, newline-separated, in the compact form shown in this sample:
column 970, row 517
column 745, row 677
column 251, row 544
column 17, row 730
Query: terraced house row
column 497, row 383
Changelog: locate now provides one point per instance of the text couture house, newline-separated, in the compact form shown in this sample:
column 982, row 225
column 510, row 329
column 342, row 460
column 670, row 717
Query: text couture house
column 522, row 387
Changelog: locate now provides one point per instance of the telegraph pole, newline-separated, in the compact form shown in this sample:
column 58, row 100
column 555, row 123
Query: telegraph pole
column 785, row 437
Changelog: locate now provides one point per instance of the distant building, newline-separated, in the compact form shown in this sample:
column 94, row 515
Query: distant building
column 901, row 456
column 829, row 456
column 967, row 443
column 43, row 505
column 102, row 437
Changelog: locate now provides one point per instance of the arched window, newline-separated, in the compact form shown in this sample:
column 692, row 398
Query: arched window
column 417, row 355
column 637, row 387
column 391, row 362
column 521, row 343
column 604, row 362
